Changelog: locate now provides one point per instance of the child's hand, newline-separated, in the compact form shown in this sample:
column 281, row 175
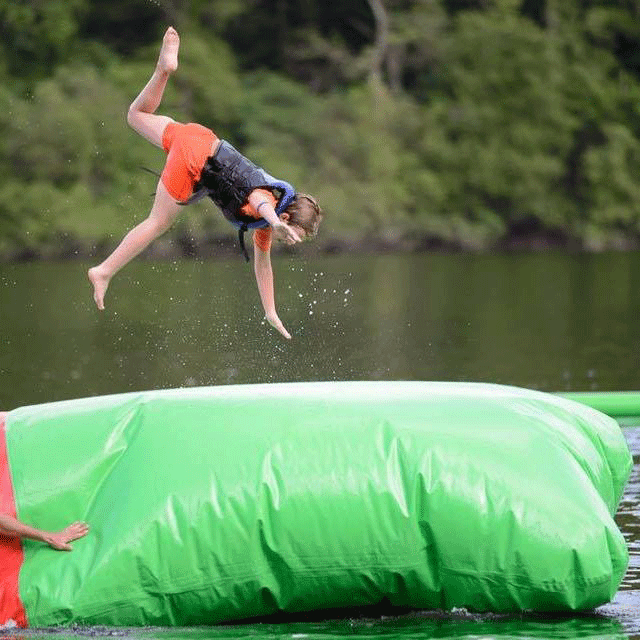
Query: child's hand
column 60, row 540
column 284, row 232
column 276, row 323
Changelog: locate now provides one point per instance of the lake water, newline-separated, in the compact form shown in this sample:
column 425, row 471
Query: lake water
column 547, row 321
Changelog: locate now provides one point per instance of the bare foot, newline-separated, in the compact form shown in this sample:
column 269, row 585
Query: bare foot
column 168, row 58
column 100, row 283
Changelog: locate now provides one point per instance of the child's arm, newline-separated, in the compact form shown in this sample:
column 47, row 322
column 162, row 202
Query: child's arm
column 264, row 279
column 266, row 210
column 58, row 540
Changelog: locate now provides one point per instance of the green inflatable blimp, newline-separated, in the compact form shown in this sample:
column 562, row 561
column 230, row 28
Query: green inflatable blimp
column 217, row 504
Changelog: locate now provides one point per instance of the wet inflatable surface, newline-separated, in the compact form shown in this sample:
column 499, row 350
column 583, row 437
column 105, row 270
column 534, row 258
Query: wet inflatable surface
column 224, row 503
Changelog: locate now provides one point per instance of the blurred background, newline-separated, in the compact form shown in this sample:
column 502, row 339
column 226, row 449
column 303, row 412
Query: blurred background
column 417, row 123
column 478, row 162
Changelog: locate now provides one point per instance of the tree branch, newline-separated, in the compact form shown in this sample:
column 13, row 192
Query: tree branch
column 381, row 41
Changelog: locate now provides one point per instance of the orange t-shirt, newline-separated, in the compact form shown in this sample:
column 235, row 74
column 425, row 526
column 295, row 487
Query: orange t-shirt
column 261, row 237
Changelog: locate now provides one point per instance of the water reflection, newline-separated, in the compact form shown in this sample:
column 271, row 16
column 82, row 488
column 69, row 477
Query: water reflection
column 419, row 317
column 626, row 606
column 409, row 627
column 628, row 517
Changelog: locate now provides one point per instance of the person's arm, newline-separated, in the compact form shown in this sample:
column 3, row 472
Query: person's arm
column 265, row 209
column 264, row 280
column 59, row 540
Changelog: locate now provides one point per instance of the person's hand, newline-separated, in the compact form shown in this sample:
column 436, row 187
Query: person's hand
column 284, row 232
column 276, row 323
column 60, row 540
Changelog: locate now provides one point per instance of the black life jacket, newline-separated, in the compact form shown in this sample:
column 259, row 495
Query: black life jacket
column 228, row 178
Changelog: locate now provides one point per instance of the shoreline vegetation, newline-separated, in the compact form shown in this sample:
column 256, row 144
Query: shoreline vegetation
column 225, row 246
column 420, row 125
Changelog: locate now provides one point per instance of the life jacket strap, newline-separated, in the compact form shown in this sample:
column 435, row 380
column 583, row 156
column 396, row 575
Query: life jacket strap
column 241, row 231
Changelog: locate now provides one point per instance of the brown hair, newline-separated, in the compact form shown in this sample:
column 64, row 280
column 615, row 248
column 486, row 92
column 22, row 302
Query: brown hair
column 305, row 212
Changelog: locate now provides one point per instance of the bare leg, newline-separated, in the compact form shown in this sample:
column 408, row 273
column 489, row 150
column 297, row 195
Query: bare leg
column 141, row 116
column 162, row 215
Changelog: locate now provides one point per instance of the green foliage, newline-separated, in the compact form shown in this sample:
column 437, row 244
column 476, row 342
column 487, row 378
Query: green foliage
column 65, row 150
column 459, row 120
column 37, row 35
column 123, row 25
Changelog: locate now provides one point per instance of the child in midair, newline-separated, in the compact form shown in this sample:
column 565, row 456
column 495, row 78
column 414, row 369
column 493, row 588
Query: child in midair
column 200, row 164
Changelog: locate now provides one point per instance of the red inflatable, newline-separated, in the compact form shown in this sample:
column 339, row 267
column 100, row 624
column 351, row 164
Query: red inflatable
column 11, row 556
